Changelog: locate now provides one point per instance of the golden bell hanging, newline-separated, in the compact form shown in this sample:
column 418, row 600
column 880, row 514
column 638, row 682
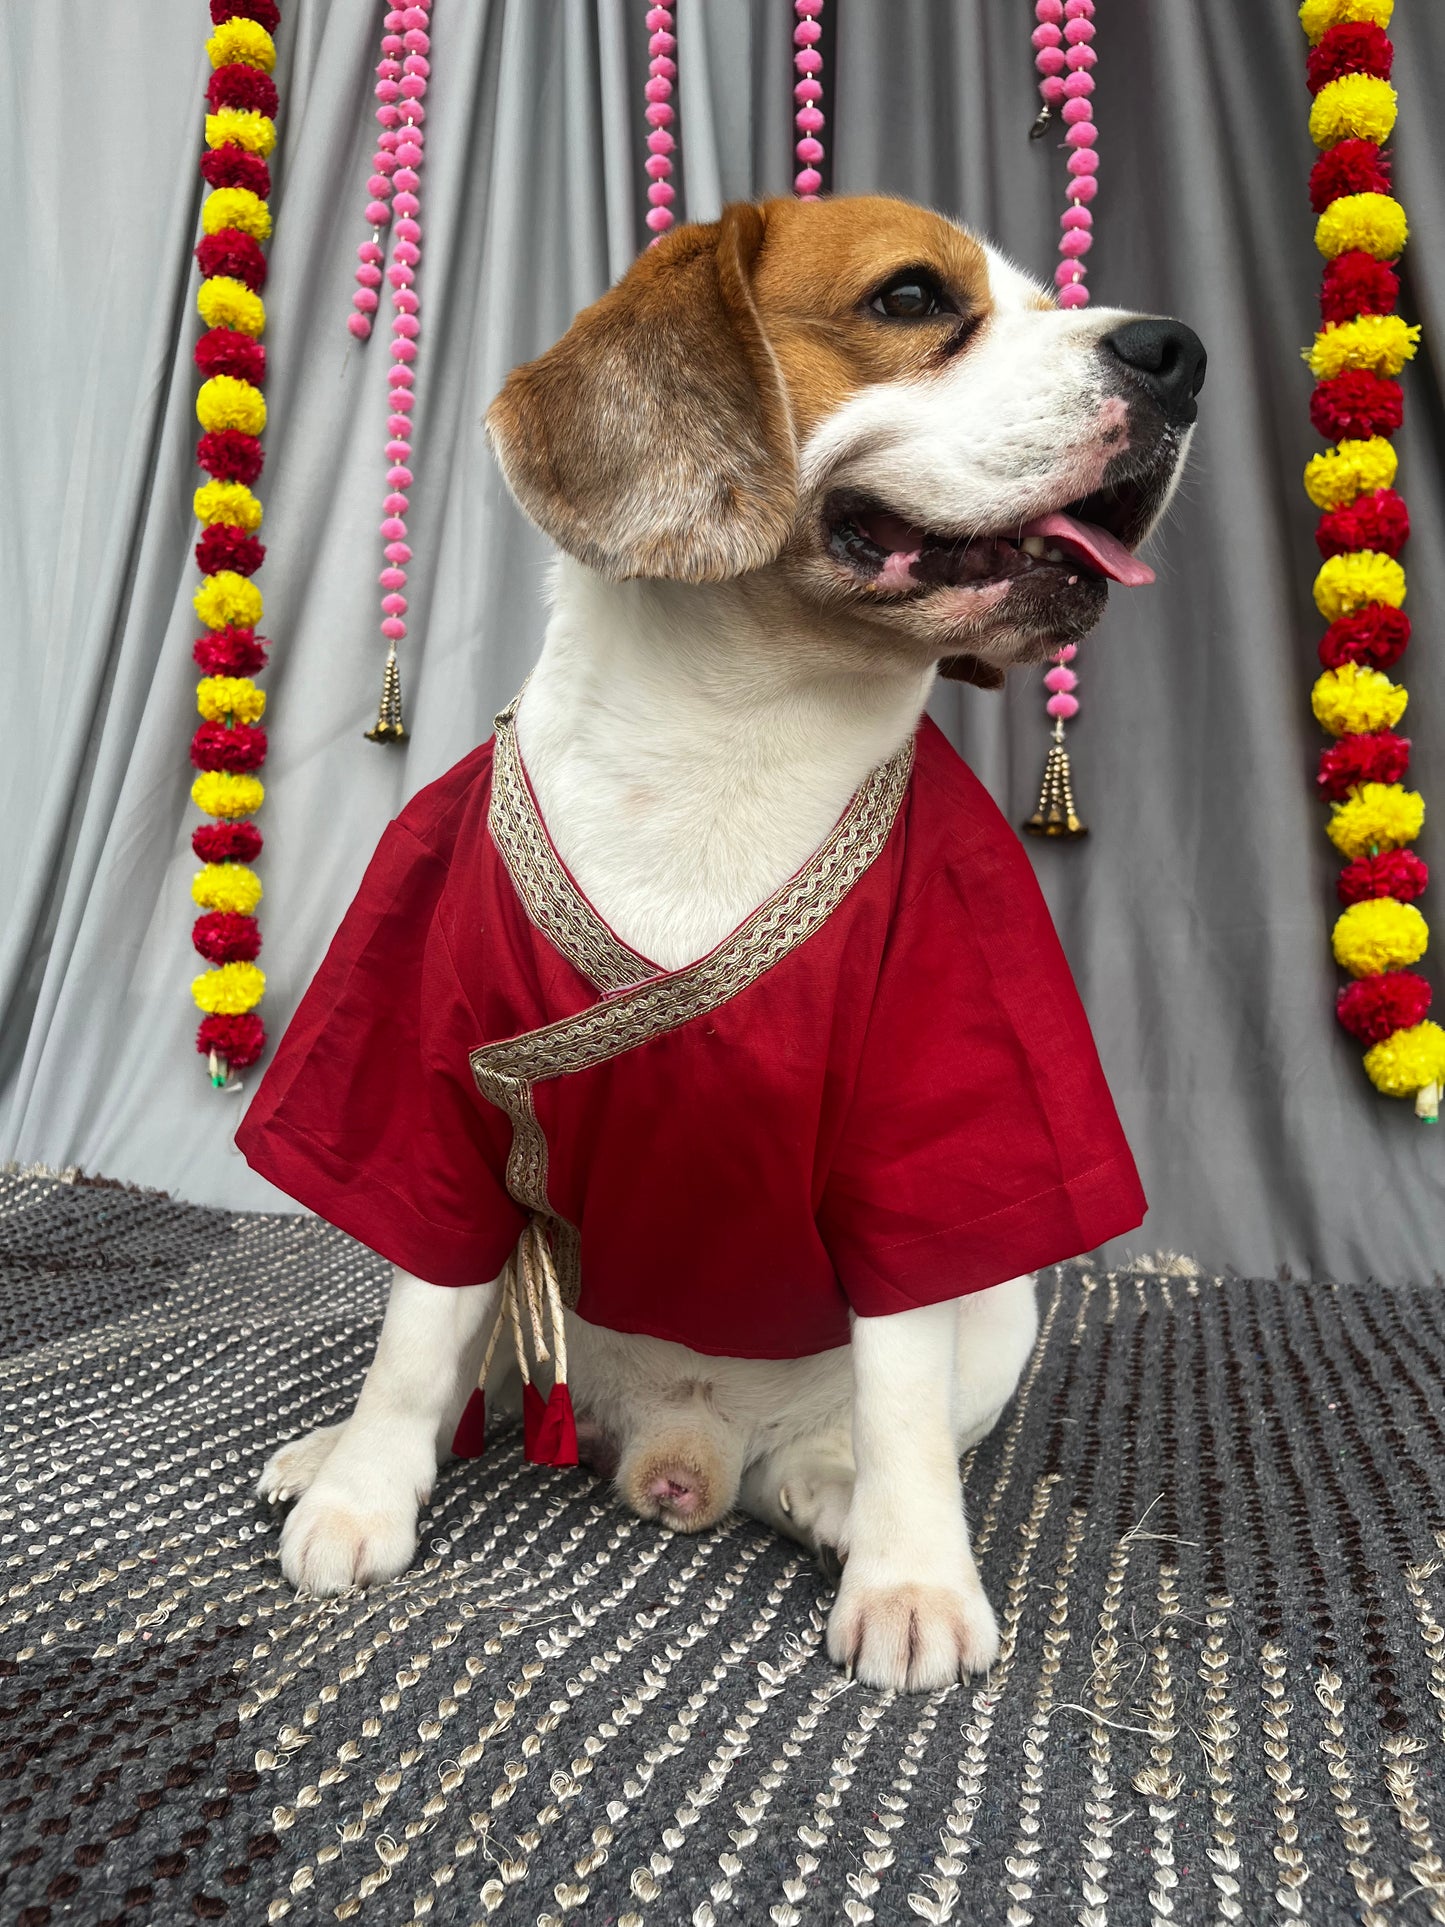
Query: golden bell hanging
column 389, row 726
column 1056, row 815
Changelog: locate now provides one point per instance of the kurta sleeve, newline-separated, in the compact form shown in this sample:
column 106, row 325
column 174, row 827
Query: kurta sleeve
column 368, row 1115
column 981, row 1140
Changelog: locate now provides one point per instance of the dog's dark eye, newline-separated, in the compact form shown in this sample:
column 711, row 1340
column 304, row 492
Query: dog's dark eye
column 912, row 295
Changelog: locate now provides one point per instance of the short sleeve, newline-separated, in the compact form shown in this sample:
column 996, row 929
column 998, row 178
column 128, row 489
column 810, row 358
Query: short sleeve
column 981, row 1140
column 368, row 1116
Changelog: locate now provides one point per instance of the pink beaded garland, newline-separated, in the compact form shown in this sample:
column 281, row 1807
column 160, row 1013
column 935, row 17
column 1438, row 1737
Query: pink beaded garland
column 1065, row 60
column 661, row 72
column 808, row 91
column 394, row 189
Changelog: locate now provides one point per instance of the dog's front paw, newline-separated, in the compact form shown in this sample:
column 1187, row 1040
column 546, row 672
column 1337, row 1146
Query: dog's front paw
column 332, row 1541
column 908, row 1634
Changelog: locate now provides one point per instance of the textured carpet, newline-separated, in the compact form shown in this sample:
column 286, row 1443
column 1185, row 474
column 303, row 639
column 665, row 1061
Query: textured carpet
column 1211, row 1525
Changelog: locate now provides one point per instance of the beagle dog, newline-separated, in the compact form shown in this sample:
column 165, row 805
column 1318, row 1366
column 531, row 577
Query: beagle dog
column 798, row 463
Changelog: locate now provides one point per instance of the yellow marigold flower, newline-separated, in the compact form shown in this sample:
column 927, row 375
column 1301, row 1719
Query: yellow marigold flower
column 231, row 988
column 1376, row 816
column 220, row 696
column 1351, row 699
column 217, row 792
column 1384, row 342
column 226, row 597
column 245, row 42
column 241, row 127
column 236, row 207
column 225, row 402
column 1318, row 16
column 1347, row 582
column 1377, row 935
column 1373, row 223
column 1358, row 105
column 229, row 502
column 224, row 302
column 227, row 886
column 1408, row 1060
column 1349, row 469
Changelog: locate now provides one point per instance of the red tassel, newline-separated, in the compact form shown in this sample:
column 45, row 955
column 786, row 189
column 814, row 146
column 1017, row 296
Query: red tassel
column 471, row 1432
column 534, row 1414
column 556, row 1439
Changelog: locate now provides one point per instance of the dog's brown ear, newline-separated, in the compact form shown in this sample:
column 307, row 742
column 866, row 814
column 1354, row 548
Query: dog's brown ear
column 983, row 675
column 655, row 438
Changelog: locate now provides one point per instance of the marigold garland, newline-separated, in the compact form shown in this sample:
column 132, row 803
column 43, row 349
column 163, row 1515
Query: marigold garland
column 1375, row 817
column 1340, row 474
column 1362, row 345
column 228, row 747
column 227, row 885
column 1352, row 699
column 1378, row 934
column 1383, row 342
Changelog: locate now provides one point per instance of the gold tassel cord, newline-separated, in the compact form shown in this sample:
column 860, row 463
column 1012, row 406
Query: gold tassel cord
column 1056, row 814
column 389, row 726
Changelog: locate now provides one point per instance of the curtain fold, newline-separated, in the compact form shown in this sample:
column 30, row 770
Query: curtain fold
column 1196, row 914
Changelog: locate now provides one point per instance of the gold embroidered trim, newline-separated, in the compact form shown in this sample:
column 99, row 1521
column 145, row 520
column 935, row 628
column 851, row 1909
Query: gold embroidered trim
column 663, row 1003
column 548, row 895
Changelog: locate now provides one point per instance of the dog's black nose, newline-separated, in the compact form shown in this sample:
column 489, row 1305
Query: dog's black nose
column 1167, row 358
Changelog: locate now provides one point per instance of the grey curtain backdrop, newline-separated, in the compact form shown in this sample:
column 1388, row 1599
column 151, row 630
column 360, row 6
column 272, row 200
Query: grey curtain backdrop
column 1197, row 913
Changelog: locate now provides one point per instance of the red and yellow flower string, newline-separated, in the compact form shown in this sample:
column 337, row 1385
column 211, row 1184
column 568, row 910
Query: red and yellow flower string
column 230, row 746
column 1356, row 359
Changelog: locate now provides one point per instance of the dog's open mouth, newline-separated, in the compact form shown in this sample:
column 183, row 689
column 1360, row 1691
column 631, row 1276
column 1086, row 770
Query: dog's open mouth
column 1089, row 540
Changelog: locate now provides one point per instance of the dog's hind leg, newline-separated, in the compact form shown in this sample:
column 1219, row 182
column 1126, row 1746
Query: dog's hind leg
column 803, row 1489
column 682, row 1465
column 356, row 1522
column 292, row 1468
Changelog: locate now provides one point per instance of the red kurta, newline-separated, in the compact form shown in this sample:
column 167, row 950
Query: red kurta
column 880, row 1091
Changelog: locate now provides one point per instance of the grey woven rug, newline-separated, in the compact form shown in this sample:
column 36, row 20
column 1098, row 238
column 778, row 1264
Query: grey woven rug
column 1211, row 1524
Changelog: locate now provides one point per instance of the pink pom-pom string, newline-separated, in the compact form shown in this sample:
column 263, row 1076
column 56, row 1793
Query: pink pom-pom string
column 659, row 115
column 808, row 120
column 1065, row 59
column 394, row 188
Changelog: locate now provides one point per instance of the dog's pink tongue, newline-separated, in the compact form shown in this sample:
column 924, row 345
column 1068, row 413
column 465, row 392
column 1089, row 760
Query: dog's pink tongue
column 901, row 542
column 1106, row 552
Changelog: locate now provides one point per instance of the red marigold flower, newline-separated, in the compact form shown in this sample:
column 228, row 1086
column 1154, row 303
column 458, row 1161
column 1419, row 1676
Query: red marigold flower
column 1377, row 757
column 1355, row 283
column 231, row 252
column 240, row 1040
column 230, row 652
column 1378, row 520
column 226, row 842
column 229, row 455
column 225, row 547
column 223, row 937
column 264, row 12
column 226, row 351
column 1393, row 873
column 242, row 86
column 242, row 746
column 231, row 165
column 1354, row 47
column 1357, row 402
column 1372, row 1007
column 1349, row 167
column 1376, row 635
